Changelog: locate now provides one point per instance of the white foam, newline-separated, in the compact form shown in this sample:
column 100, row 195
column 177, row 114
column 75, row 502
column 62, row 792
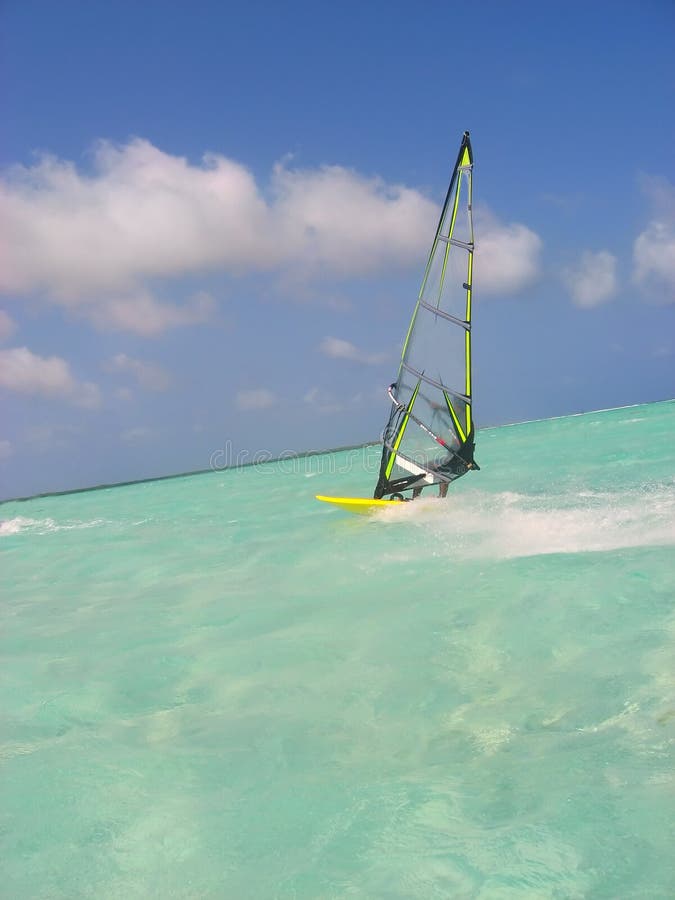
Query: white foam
column 510, row 525
column 43, row 526
column 21, row 523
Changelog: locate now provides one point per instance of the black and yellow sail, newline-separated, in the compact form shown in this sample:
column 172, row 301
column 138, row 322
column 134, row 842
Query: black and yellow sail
column 429, row 437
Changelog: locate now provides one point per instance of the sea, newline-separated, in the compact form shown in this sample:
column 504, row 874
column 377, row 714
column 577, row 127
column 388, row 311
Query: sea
column 214, row 686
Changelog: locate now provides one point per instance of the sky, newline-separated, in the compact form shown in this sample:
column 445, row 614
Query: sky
column 215, row 219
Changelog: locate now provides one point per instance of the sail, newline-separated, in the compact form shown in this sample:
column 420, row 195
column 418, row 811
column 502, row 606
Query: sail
column 429, row 437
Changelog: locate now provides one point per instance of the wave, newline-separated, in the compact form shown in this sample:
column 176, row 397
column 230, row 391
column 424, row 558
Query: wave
column 509, row 524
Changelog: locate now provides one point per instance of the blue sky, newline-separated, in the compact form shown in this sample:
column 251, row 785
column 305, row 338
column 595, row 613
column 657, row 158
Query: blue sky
column 216, row 218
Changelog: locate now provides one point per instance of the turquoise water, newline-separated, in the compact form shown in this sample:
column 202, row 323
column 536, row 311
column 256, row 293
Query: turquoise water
column 216, row 687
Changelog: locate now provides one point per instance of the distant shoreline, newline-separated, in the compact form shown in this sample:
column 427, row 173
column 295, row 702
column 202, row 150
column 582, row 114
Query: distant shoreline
column 302, row 454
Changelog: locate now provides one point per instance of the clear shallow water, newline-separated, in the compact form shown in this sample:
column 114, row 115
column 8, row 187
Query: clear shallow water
column 216, row 687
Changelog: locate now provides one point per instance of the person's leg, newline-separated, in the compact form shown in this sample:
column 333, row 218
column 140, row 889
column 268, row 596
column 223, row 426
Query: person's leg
column 416, row 492
column 442, row 488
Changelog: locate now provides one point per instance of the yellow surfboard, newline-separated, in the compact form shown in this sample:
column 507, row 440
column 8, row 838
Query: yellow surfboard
column 362, row 505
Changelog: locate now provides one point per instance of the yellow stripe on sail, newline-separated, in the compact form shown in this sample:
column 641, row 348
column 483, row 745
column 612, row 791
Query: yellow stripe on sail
column 467, row 388
column 452, row 412
column 410, row 328
column 468, row 380
column 401, row 431
column 451, row 229
column 467, row 339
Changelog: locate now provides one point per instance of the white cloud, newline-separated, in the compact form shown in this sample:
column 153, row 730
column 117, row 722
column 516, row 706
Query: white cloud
column 5, row 450
column 654, row 247
column 506, row 256
column 142, row 213
column 593, row 281
column 7, row 325
column 337, row 348
column 256, row 398
column 337, row 220
column 90, row 241
column 654, row 261
column 142, row 314
column 94, row 241
column 27, row 373
column 149, row 375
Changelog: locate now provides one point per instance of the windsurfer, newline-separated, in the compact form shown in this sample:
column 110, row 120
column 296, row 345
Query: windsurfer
column 442, row 489
column 454, row 464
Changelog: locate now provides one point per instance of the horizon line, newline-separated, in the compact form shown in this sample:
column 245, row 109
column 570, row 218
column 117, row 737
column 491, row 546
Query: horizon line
column 300, row 454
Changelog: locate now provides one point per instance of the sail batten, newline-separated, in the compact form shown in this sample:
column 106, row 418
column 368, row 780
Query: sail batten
column 429, row 436
column 439, row 312
column 455, row 243
column 437, row 384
